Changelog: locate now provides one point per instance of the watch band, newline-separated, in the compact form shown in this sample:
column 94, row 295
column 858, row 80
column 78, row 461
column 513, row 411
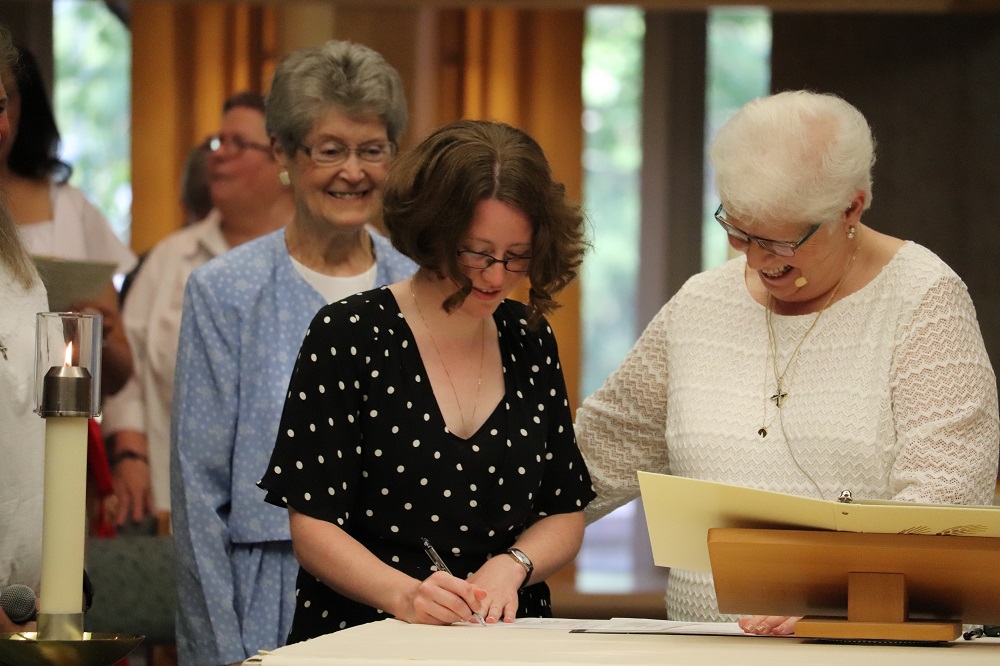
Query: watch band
column 524, row 561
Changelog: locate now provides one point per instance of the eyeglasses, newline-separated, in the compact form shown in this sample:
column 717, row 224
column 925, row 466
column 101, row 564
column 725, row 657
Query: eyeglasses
column 234, row 144
column 333, row 153
column 482, row 261
column 741, row 239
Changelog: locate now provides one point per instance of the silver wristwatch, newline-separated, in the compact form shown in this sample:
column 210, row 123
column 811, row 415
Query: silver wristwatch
column 524, row 561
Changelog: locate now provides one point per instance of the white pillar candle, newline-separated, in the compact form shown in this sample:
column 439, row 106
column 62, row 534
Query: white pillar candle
column 64, row 515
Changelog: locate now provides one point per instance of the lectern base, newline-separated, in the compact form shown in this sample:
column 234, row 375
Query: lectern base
column 917, row 631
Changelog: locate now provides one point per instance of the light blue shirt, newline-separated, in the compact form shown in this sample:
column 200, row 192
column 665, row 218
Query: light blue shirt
column 244, row 317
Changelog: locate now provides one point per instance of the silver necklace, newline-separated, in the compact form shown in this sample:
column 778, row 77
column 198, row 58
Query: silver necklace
column 781, row 394
column 467, row 432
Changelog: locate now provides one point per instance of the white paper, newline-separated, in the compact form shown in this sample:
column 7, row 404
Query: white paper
column 71, row 281
column 680, row 511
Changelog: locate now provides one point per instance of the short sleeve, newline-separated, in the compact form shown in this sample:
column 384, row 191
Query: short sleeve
column 317, row 456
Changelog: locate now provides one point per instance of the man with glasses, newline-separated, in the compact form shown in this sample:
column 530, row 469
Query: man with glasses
column 249, row 199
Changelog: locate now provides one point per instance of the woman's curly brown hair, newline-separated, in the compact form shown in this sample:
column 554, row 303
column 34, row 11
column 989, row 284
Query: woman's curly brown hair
column 432, row 191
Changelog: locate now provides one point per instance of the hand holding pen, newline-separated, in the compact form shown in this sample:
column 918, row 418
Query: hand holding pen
column 441, row 566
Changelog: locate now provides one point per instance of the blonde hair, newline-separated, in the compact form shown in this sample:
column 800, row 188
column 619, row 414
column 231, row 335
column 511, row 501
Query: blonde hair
column 12, row 253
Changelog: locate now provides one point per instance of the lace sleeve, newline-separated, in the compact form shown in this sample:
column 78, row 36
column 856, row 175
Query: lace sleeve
column 620, row 428
column 944, row 403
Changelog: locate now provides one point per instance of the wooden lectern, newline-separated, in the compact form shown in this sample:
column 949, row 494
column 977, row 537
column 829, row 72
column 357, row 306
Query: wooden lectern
column 859, row 586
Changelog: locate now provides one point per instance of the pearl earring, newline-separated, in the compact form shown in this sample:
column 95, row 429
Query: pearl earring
column 286, row 180
column 851, row 231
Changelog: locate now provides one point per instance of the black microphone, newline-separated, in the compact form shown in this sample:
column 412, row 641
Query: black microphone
column 18, row 602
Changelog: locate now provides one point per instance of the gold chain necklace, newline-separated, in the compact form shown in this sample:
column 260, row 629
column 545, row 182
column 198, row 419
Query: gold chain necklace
column 482, row 356
column 781, row 394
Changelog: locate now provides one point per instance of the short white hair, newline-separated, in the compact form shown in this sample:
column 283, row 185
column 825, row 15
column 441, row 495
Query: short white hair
column 796, row 155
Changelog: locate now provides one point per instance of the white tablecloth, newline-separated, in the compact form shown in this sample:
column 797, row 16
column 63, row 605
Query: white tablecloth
column 395, row 643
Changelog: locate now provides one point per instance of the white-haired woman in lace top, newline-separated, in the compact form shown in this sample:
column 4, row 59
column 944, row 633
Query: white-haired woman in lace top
column 827, row 356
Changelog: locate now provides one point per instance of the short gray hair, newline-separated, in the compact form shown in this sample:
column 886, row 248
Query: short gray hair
column 350, row 77
column 796, row 155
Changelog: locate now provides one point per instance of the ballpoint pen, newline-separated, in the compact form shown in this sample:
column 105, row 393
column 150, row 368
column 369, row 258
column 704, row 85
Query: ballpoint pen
column 441, row 566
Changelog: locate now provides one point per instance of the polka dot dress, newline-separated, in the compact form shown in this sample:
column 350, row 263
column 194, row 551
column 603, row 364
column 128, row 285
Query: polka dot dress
column 363, row 445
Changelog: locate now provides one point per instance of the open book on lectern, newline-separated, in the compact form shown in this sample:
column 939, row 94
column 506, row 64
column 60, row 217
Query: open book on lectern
column 680, row 511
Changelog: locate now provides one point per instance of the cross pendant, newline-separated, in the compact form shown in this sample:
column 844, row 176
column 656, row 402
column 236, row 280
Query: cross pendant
column 778, row 398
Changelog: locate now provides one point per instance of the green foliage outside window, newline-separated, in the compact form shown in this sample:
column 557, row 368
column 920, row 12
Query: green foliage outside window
column 612, row 99
column 92, row 52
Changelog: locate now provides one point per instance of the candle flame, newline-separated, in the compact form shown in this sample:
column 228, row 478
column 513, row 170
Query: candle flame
column 69, row 354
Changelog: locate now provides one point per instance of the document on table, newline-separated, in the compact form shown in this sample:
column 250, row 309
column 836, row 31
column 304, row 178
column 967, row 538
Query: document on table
column 680, row 511
column 70, row 281
column 630, row 625
column 616, row 625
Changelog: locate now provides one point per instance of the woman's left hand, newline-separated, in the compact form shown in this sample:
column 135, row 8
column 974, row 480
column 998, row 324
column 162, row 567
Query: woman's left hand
column 501, row 577
column 769, row 625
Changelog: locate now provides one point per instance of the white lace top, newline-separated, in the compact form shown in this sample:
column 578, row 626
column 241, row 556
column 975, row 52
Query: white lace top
column 892, row 396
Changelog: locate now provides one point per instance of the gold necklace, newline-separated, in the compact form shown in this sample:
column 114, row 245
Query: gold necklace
column 482, row 356
column 781, row 394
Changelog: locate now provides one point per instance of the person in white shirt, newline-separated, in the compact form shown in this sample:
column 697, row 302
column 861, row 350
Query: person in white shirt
column 23, row 433
column 826, row 356
column 54, row 218
column 249, row 201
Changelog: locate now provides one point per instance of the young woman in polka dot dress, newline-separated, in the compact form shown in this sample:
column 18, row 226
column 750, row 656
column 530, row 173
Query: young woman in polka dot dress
column 435, row 408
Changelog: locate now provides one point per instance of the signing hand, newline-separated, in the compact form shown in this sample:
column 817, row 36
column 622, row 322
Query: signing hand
column 769, row 625
column 442, row 599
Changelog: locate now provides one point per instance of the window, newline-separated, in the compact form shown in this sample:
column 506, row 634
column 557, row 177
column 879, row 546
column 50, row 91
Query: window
column 92, row 53
column 614, row 557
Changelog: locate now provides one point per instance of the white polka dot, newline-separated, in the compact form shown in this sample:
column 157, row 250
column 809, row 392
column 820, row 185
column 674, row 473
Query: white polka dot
column 331, row 491
column 312, row 357
column 307, row 603
column 400, row 469
column 322, row 389
column 298, row 464
column 434, row 518
column 290, row 432
column 378, row 453
column 302, row 396
column 277, row 470
column 416, row 443
column 447, row 493
column 390, row 390
column 307, row 497
column 423, row 482
column 520, row 470
column 393, row 528
column 325, row 614
column 407, row 506
column 373, row 413
column 506, row 507
column 321, row 459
